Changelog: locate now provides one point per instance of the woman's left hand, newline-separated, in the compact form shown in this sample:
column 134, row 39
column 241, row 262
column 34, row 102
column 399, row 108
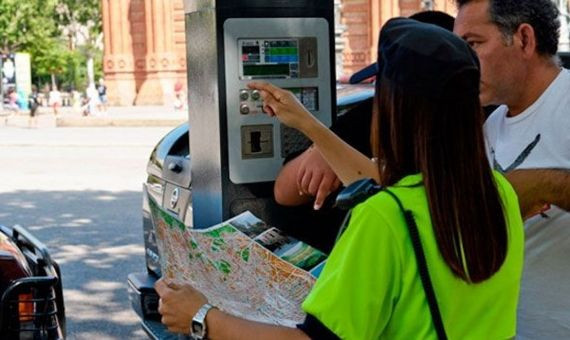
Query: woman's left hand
column 178, row 304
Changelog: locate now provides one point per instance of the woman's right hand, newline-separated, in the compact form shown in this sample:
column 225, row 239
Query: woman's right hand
column 284, row 105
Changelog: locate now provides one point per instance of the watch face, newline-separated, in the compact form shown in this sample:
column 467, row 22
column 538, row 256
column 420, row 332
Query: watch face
column 197, row 328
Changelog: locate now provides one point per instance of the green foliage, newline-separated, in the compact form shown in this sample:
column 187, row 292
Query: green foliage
column 51, row 59
column 26, row 25
column 75, row 14
column 82, row 21
column 60, row 36
column 74, row 74
column 98, row 61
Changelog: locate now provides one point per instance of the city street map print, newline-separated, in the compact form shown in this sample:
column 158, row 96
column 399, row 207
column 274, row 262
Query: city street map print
column 243, row 266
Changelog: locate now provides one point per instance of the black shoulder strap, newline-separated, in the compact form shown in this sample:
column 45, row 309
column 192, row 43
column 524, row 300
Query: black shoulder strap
column 422, row 267
column 353, row 194
column 359, row 191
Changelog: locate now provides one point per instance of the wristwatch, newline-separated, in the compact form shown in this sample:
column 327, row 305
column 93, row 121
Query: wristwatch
column 198, row 329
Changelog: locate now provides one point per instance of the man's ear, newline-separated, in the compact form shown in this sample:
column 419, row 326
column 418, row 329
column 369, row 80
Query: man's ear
column 525, row 39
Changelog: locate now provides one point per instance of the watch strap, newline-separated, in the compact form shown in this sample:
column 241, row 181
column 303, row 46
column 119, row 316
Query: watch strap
column 198, row 329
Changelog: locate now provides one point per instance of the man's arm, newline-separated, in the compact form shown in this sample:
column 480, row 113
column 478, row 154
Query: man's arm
column 285, row 190
column 536, row 188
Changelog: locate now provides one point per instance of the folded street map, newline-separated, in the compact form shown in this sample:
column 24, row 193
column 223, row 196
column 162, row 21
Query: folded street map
column 242, row 265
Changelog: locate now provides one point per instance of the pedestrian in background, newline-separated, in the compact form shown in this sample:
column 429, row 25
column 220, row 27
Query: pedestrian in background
column 54, row 99
column 179, row 104
column 12, row 100
column 34, row 104
column 102, row 96
column 91, row 102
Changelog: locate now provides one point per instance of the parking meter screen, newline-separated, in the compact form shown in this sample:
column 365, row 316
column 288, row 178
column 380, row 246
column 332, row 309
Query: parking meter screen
column 269, row 58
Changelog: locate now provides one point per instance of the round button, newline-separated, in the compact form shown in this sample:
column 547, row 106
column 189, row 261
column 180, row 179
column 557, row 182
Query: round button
column 255, row 95
column 243, row 94
column 244, row 109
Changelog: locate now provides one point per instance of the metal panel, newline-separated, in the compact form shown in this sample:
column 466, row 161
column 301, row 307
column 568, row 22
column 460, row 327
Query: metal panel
column 198, row 5
column 203, row 107
column 245, row 169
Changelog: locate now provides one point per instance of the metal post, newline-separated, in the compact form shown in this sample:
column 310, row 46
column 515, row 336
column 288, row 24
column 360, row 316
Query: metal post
column 339, row 39
column 236, row 151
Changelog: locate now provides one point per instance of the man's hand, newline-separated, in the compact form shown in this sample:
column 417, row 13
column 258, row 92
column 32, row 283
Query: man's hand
column 316, row 178
column 178, row 304
column 303, row 178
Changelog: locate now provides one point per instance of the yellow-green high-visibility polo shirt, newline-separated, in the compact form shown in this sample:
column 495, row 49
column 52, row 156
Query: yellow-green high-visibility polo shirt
column 370, row 287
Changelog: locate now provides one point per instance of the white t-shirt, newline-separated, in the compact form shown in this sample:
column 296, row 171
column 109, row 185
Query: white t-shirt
column 539, row 137
column 54, row 97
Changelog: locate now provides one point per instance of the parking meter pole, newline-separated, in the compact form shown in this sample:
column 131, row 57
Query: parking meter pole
column 236, row 151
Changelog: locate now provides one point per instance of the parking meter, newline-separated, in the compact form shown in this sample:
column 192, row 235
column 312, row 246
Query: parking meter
column 236, row 150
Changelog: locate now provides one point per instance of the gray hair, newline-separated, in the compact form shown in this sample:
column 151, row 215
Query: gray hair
column 541, row 15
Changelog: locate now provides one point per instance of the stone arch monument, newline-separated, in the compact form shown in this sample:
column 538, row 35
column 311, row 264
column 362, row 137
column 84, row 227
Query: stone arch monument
column 144, row 56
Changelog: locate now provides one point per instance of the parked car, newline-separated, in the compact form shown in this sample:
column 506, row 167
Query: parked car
column 169, row 184
column 31, row 296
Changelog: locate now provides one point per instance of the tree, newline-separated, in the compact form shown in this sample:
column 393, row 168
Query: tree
column 81, row 20
column 29, row 26
column 51, row 60
column 62, row 36
column 26, row 25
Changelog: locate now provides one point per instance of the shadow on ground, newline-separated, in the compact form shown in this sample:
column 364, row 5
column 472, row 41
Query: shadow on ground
column 96, row 237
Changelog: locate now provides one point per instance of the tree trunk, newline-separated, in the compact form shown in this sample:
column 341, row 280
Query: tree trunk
column 53, row 83
column 90, row 71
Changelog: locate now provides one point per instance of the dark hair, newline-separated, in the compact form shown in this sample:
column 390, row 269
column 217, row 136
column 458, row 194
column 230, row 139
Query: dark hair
column 438, row 18
column 441, row 137
column 542, row 15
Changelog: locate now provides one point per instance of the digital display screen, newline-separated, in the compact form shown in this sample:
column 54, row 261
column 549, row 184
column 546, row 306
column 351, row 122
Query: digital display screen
column 266, row 70
column 269, row 58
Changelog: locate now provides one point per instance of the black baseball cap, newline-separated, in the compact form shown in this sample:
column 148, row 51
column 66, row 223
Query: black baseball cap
column 437, row 18
column 421, row 56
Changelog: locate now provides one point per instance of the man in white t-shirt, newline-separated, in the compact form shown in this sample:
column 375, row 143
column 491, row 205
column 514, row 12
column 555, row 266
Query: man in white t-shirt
column 516, row 41
column 54, row 98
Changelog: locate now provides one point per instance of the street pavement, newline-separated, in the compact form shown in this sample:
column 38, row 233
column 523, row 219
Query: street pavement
column 79, row 190
column 118, row 116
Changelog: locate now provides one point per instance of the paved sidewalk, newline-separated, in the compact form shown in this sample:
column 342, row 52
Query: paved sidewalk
column 120, row 116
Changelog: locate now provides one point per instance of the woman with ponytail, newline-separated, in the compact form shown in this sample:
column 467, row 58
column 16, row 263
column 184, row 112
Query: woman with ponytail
column 432, row 166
